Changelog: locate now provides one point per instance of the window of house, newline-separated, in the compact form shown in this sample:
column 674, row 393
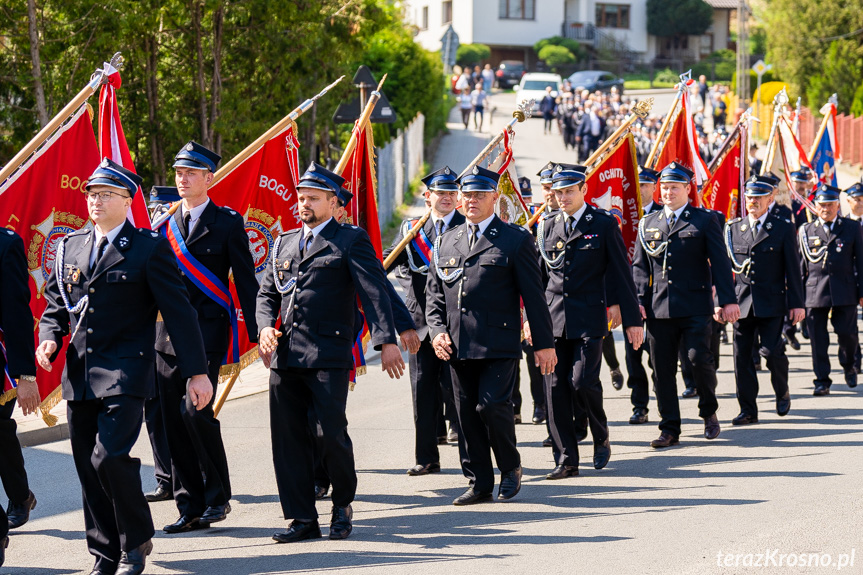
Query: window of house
column 612, row 15
column 446, row 12
column 518, row 9
column 424, row 18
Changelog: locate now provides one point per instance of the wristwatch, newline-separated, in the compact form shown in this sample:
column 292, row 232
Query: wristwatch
column 28, row 377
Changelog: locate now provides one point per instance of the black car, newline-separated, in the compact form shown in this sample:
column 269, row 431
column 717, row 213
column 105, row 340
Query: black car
column 509, row 73
column 594, row 80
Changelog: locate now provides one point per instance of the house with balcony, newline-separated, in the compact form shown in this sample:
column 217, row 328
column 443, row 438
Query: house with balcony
column 616, row 30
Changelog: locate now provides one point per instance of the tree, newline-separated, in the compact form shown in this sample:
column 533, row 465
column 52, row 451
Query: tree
column 472, row 54
column 573, row 46
column 556, row 57
column 840, row 73
column 676, row 18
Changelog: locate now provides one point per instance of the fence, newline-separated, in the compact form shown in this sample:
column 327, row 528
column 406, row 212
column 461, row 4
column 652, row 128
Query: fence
column 849, row 133
column 398, row 163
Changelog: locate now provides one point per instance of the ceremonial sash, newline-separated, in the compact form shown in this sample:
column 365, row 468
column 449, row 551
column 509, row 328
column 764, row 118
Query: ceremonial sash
column 9, row 384
column 422, row 244
column 204, row 279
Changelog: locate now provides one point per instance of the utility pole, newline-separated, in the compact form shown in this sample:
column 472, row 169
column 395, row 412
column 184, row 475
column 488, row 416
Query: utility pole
column 742, row 53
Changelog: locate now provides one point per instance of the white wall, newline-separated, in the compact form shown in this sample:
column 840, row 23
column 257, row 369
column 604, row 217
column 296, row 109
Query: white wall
column 488, row 28
column 462, row 21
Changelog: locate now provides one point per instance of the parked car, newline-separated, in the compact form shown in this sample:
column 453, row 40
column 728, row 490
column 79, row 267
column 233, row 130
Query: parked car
column 533, row 85
column 509, row 73
column 594, row 80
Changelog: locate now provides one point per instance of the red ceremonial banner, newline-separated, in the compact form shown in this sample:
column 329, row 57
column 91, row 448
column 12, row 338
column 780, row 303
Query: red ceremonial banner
column 722, row 190
column 680, row 146
column 43, row 202
column 613, row 186
column 264, row 189
column 360, row 180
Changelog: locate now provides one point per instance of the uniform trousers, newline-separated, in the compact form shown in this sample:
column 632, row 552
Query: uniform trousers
column 844, row 320
column 747, row 332
column 664, row 337
column 293, row 392
column 12, row 472
column 158, row 441
column 194, row 440
column 537, row 385
column 637, row 380
column 483, row 395
column 431, row 387
column 609, row 353
column 116, row 515
column 576, row 375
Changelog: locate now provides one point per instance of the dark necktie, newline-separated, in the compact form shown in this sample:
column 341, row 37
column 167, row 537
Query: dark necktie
column 438, row 228
column 672, row 218
column 570, row 225
column 306, row 243
column 474, row 233
column 187, row 218
column 755, row 227
column 100, row 249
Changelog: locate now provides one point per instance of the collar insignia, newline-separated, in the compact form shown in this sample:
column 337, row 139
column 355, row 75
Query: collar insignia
column 588, row 217
column 124, row 241
column 769, row 226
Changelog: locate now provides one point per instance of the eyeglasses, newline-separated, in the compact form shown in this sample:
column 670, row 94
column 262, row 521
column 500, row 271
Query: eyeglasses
column 104, row 196
column 475, row 195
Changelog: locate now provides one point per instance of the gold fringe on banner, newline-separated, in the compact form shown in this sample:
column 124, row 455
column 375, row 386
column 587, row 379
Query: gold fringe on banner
column 49, row 403
column 226, row 372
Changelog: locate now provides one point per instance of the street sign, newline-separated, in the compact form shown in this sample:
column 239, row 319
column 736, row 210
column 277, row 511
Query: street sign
column 448, row 47
column 760, row 67
column 348, row 113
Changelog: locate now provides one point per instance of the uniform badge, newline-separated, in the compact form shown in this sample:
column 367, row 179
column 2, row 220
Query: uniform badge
column 104, row 163
column 657, row 235
column 559, row 244
column 69, row 288
column 446, row 170
column 817, row 242
column 189, row 147
column 588, row 217
column 557, row 219
column 769, row 226
column 452, row 261
column 686, row 214
column 154, row 234
column 286, row 264
column 124, row 241
column 838, row 247
column 743, row 228
column 492, row 232
column 475, row 171
column 76, row 274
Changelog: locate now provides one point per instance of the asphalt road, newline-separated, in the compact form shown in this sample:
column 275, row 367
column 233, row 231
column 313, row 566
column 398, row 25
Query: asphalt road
column 784, row 487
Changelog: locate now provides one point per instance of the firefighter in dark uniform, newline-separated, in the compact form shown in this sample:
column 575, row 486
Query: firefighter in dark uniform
column 161, row 198
column 680, row 256
column 18, row 363
column 832, row 256
column 637, row 375
column 855, row 201
column 317, row 271
column 479, row 271
column 537, row 385
column 545, row 175
column 764, row 257
column 431, row 384
column 214, row 243
column 586, row 271
column 107, row 287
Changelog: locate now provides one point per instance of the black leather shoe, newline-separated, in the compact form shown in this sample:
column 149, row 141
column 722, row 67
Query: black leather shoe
column 783, row 404
column 19, row 513
column 161, row 493
column 470, row 497
column 711, row 427
column 689, row 392
column 340, row 524
column 664, row 440
column 639, row 416
column 539, row 414
column 299, row 531
column 424, row 469
column 185, row 524
column 744, row 419
column 132, row 562
column 216, row 513
column 321, row 491
column 562, row 472
column 821, row 390
column 616, row 379
column 4, row 543
column 510, row 484
column 548, row 442
column 851, row 378
column 441, row 440
column 792, row 341
column 601, row 454
column 100, row 571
